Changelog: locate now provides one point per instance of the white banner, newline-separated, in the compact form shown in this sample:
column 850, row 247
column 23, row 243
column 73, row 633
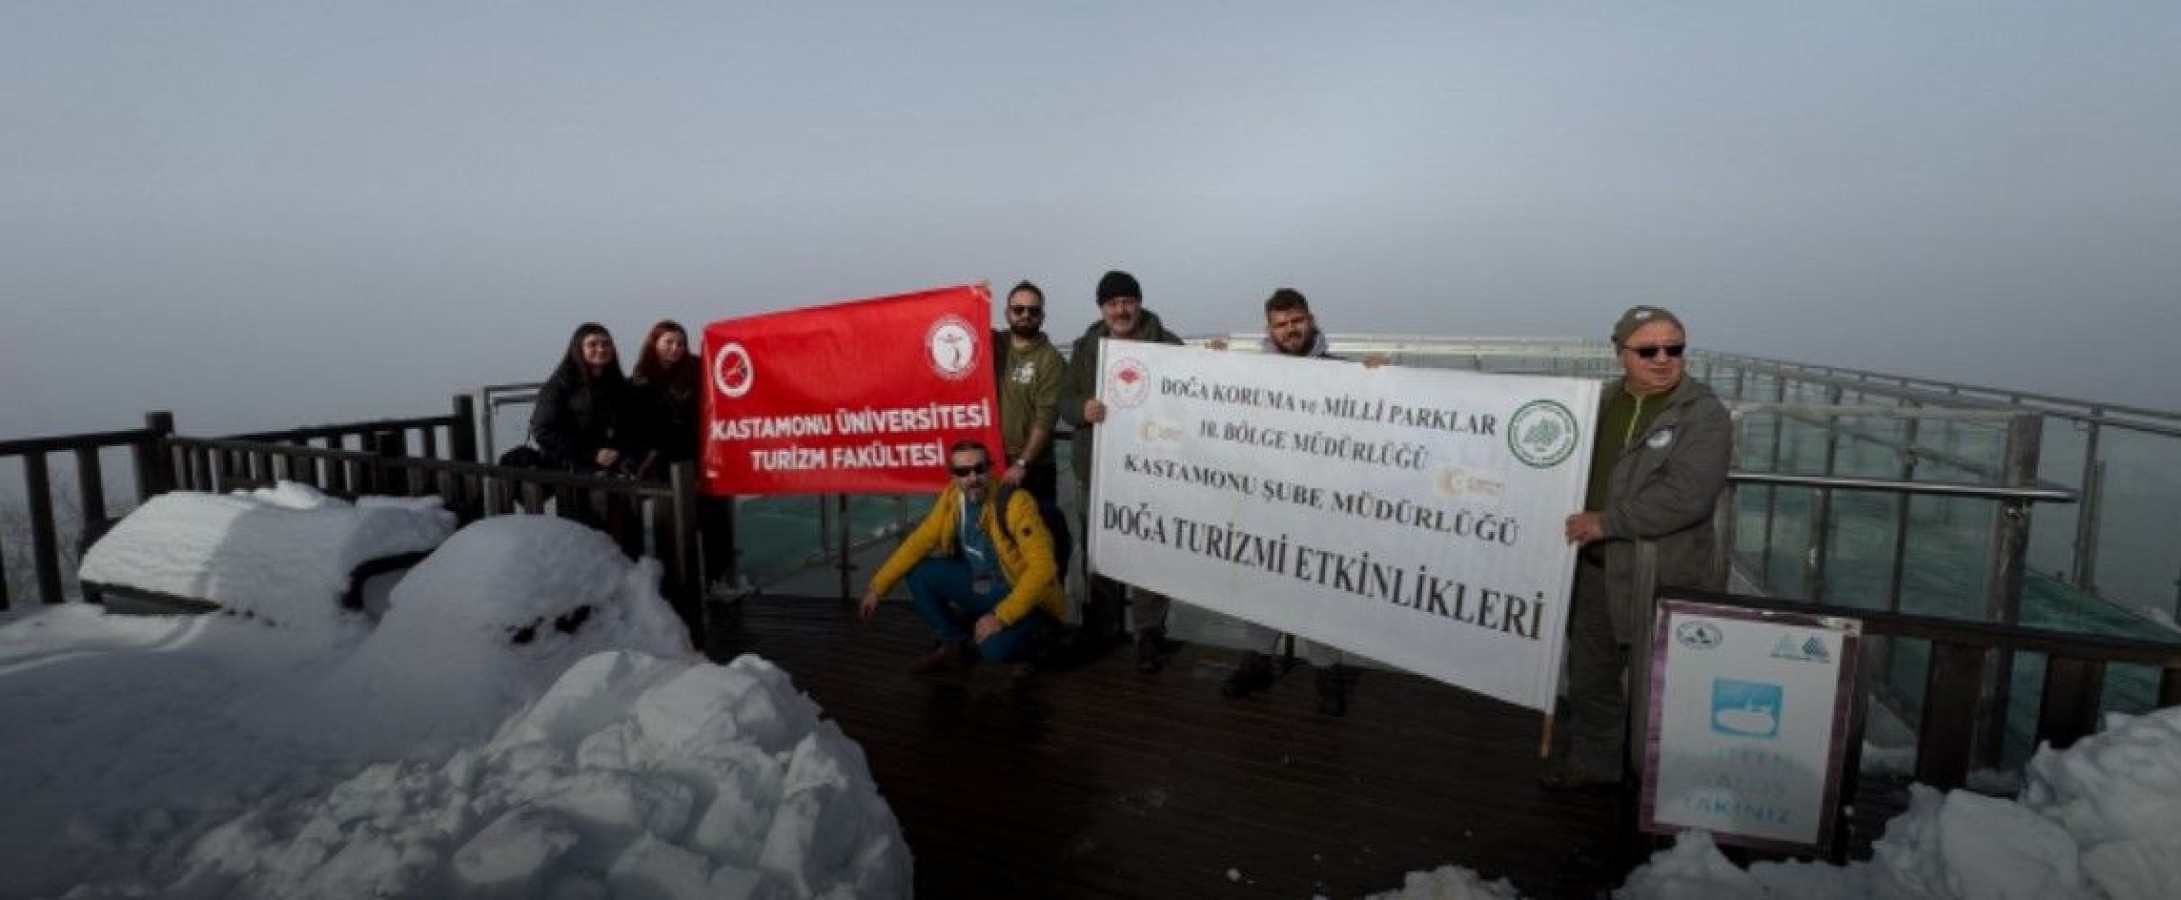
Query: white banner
column 1410, row 515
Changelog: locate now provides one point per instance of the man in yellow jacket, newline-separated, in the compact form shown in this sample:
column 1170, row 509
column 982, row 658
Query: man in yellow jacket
column 969, row 561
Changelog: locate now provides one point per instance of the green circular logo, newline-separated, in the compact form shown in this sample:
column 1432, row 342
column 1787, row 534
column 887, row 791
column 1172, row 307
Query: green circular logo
column 1542, row 433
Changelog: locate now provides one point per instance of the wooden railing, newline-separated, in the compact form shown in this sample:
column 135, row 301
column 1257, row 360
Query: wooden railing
column 46, row 556
column 424, row 456
column 423, row 436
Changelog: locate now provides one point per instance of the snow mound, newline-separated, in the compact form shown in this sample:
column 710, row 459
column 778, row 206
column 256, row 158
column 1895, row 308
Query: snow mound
column 632, row 776
column 281, row 555
column 1450, row 883
column 500, row 609
column 2094, row 821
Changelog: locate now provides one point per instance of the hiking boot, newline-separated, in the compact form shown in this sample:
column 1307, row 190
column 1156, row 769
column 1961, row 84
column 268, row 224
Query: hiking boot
column 1148, row 649
column 947, row 657
column 1252, row 674
column 1332, row 691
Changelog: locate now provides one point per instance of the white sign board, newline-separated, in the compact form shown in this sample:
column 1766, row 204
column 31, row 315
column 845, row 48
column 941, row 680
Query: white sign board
column 1748, row 723
column 1411, row 515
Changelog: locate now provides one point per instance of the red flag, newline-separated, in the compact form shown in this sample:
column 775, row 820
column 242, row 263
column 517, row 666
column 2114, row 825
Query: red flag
column 856, row 397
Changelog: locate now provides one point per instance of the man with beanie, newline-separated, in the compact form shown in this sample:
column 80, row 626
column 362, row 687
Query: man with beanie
column 1121, row 317
column 1664, row 442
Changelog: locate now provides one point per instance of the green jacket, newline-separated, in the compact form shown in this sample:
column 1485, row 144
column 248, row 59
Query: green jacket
column 1665, row 488
column 1082, row 384
column 1029, row 391
column 1025, row 548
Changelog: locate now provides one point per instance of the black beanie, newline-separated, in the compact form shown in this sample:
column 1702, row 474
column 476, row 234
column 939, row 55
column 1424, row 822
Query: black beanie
column 1118, row 284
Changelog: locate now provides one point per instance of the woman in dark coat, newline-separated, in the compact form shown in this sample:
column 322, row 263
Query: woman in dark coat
column 576, row 423
column 664, row 408
column 665, row 416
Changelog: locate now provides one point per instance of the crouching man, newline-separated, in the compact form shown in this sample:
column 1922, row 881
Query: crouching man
column 982, row 576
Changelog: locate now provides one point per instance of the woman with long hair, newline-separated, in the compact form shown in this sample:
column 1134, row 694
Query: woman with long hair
column 664, row 407
column 666, row 419
column 576, row 422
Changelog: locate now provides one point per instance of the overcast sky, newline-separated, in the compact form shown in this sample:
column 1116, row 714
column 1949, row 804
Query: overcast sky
column 264, row 214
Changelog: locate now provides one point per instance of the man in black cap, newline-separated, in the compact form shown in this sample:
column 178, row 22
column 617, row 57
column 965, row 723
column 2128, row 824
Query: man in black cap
column 1664, row 442
column 1121, row 317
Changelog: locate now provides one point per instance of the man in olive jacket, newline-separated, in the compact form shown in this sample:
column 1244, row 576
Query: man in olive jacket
column 1664, row 442
column 971, row 560
column 1029, row 369
column 1121, row 317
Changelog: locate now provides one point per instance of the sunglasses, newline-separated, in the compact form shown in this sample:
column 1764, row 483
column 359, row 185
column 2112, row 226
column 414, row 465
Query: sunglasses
column 1652, row 352
column 973, row 469
column 1032, row 311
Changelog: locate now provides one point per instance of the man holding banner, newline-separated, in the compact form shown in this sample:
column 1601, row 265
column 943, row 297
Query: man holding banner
column 1290, row 330
column 1121, row 317
column 1664, row 443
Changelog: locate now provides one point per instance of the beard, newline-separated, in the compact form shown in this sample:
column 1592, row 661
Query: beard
column 1024, row 331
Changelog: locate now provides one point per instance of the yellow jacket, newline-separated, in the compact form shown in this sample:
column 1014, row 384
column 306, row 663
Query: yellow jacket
column 1026, row 558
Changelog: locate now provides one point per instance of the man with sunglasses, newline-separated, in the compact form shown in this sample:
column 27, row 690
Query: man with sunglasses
column 1664, row 442
column 1030, row 369
column 1121, row 317
column 981, row 577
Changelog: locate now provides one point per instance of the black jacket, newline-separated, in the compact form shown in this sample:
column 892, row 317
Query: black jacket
column 575, row 417
column 662, row 424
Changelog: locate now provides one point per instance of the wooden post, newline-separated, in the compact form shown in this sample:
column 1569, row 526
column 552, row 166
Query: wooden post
column 45, row 548
column 686, row 570
column 91, row 497
column 154, row 466
column 386, row 445
column 462, row 435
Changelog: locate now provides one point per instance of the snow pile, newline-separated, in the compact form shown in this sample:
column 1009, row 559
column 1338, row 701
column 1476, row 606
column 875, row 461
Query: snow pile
column 528, row 720
column 1450, row 883
column 2098, row 820
column 500, row 609
column 2115, row 794
column 282, row 555
column 632, row 777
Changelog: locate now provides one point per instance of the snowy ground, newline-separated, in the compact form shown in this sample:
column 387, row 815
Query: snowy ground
column 527, row 720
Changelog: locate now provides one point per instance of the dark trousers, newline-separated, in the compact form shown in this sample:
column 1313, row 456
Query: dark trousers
column 1102, row 610
column 1596, row 725
column 945, row 594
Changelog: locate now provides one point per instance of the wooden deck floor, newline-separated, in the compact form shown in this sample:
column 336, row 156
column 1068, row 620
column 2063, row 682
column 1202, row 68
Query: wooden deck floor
column 1101, row 782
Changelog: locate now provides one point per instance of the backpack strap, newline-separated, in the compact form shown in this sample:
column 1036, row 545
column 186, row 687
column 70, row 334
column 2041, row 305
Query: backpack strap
column 1003, row 494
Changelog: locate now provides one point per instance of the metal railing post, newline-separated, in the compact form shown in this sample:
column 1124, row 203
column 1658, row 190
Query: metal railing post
column 1880, row 652
column 1772, row 493
column 1821, row 507
column 2085, row 563
column 2003, row 603
column 848, row 563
